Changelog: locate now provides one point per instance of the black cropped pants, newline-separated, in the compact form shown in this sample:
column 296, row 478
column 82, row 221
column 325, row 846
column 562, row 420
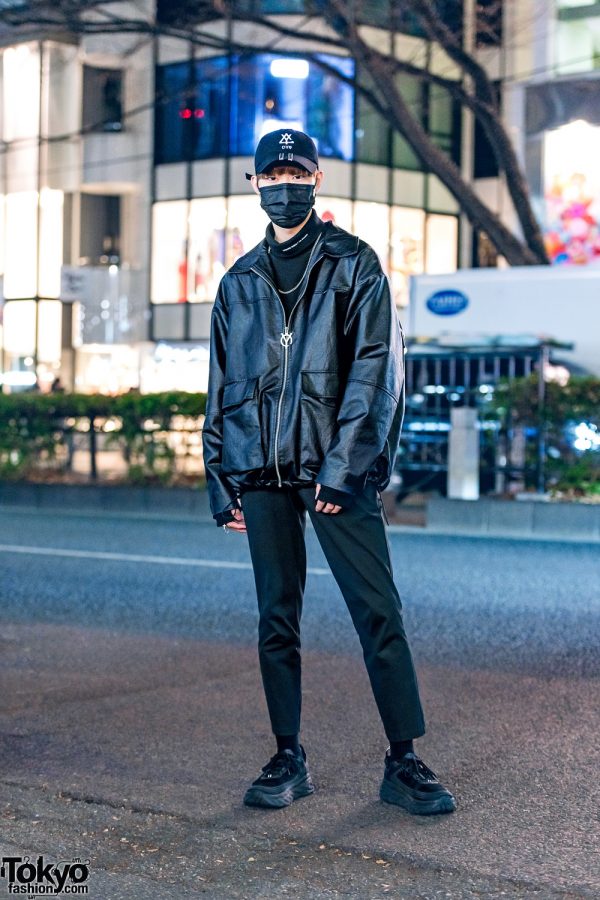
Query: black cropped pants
column 356, row 547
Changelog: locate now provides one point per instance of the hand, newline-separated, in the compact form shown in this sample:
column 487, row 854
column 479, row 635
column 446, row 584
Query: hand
column 325, row 507
column 239, row 524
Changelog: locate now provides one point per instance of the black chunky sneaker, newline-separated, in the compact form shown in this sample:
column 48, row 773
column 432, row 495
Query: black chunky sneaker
column 408, row 782
column 284, row 779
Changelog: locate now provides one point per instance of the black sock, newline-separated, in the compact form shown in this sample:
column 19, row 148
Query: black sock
column 399, row 748
column 287, row 742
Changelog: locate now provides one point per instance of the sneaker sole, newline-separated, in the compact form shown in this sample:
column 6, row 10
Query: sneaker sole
column 443, row 803
column 276, row 798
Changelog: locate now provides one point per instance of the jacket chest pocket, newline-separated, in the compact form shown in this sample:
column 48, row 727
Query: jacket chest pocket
column 319, row 402
column 242, row 437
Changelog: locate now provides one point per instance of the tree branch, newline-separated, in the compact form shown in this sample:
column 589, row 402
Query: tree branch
column 399, row 113
column 489, row 116
column 439, row 32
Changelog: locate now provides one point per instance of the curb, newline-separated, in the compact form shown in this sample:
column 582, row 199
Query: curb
column 106, row 498
column 515, row 519
column 509, row 519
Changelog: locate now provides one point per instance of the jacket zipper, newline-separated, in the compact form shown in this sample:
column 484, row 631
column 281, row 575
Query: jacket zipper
column 285, row 340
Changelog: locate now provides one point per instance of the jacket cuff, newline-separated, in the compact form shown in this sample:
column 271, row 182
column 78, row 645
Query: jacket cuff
column 222, row 518
column 338, row 498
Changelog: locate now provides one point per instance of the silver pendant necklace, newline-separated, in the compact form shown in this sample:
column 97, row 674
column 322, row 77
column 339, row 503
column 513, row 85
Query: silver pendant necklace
column 296, row 286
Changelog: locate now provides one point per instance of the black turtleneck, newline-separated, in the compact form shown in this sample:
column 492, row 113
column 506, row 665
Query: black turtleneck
column 290, row 258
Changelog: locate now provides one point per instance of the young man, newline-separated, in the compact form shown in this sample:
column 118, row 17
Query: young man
column 304, row 410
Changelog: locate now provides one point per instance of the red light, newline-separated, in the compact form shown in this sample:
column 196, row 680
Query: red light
column 199, row 113
column 185, row 114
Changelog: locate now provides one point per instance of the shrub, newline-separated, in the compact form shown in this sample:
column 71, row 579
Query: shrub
column 37, row 430
column 568, row 466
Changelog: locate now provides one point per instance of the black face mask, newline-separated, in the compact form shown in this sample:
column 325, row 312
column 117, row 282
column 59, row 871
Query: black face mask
column 287, row 204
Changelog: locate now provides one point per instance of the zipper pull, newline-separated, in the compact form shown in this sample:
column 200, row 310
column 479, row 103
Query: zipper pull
column 286, row 337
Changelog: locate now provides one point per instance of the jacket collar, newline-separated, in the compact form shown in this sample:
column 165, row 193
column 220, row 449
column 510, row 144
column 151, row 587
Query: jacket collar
column 334, row 242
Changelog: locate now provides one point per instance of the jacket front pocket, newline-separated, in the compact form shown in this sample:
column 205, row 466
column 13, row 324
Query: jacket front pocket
column 319, row 403
column 242, row 437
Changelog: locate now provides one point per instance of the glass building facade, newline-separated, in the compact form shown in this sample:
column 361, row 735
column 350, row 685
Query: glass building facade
column 34, row 200
column 123, row 197
column 210, row 114
column 223, row 105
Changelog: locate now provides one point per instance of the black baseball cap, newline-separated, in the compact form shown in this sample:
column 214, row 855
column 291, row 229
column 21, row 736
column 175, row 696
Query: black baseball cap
column 284, row 147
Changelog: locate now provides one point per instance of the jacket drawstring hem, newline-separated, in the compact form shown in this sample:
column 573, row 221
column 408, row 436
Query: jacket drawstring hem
column 382, row 506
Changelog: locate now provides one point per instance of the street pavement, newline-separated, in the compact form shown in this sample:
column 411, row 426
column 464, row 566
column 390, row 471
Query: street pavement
column 132, row 717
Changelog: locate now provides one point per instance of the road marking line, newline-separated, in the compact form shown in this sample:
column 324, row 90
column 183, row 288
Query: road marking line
column 135, row 557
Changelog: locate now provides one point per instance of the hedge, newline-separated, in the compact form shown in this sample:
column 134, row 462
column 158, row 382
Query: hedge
column 567, row 469
column 36, row 430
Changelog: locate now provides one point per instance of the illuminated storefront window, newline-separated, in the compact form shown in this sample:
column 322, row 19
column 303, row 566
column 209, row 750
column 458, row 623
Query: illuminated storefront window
column 49, row 348
column 49, row 331
column 247, row 223
column 207, row 239
column 21, row 92
column 31, row 234
column 441, row 241
column 19, row 328
column 192, row 250
column 174, row 91
column 372, row 224
column 562, row 124
column 195, row 243
column 181, row 367
column 21, row 117
column 191, row 110
column 263, row 92
column 407, row 258
column 50, row 242
column 332, row 209
column 107, row 370
column 21, row 322
column 20, row 276
column 170, row 252
column 20, row 243
column 61, row 115
column 572, row 193
column 19, row 344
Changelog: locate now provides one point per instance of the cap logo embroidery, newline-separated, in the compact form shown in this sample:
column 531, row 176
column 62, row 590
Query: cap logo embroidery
column 286, row 140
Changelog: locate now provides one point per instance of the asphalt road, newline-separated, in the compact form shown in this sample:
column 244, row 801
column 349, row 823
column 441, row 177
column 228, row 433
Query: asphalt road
column 131, row 715
column 510, row 605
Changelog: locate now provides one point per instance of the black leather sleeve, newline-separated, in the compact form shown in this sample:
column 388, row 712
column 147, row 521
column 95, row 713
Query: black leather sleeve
column 371, row 403
column 220, row 492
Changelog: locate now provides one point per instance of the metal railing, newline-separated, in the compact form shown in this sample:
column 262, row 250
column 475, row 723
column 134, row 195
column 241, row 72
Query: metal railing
column 438, row 378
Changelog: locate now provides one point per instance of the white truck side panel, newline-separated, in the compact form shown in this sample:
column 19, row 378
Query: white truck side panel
column 538, row 301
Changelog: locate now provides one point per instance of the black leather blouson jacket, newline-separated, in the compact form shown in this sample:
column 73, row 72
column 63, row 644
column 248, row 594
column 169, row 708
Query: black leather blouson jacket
column 316, row 396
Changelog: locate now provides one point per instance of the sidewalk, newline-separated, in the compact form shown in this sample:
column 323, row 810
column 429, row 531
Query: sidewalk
column 487, row 517
column 133, row 751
